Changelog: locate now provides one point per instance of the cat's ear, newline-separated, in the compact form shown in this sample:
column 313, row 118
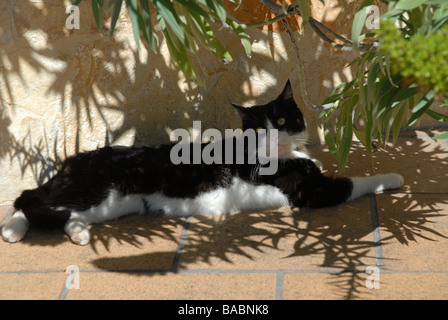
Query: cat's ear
column 243, row 112
column 286, row 95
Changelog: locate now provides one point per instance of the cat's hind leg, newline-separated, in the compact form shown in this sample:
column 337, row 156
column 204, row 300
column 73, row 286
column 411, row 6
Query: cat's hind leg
column 113, row 206
column 16, row 228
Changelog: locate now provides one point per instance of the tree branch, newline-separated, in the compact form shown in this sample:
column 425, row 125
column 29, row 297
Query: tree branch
column 317, row 26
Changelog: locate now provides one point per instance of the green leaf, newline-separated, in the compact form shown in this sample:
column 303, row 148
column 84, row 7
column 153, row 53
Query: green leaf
column 217, row 7
column 304, row 6
column 134, row 14
column 115, row 14
column 358, row 24
column 330, row 141
column 403, row 94
column 166, row 11
column 437, row 116
column 204, row 33
column 98, row 9
column 194, row 7
column 421, row 107
column 148, row 31
column 180, row 56
column 244, row 37
column 408, row 4
column 442, row 136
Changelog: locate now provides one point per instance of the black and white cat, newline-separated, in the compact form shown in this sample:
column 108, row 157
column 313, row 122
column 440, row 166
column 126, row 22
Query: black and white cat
column 110, row 182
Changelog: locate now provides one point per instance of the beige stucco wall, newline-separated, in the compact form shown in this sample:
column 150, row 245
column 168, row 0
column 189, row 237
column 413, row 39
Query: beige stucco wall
column 65, row 91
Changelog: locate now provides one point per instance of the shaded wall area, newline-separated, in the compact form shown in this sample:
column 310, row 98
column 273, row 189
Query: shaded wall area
column 64, row 91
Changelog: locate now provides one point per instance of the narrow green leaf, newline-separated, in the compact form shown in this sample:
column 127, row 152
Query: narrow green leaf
column 97, row 8
column 442, row 136
column 398, row 122
column 179, row 55
column 244, row 37
column 408, row 4
column 304, row 6
column 204, row 33
column 115, row 14
column 134, row 14
column 358, row 23
column 421, row 107
column 218, row 7
column 147, row 28
column 330, row 141
column 403, row 94
column 437, row 116
column 194, row 7
column 166, row 10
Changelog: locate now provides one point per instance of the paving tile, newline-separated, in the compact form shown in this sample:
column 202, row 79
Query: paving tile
column 326, row 286
column 413, row 286
column 421, row 160
column 31, row 286
column 129, row 243
column 194, row 286
column 338, row 238
column 350, row 286
column 414, row 231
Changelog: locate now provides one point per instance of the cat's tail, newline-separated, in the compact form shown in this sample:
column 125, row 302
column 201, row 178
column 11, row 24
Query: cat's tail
column 373, row 184
column 322, row 191
column 34, row 205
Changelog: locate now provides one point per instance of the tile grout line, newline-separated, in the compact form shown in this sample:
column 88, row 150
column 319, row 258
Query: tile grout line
column 231, row 271
column 279, row 285
column 180, row 246
column 376, row 232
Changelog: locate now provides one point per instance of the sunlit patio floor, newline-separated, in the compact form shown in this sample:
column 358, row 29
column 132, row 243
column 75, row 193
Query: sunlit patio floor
column 384, row 246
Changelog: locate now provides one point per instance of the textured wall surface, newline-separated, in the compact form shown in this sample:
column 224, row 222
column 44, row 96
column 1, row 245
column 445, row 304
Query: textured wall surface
column 63, row 91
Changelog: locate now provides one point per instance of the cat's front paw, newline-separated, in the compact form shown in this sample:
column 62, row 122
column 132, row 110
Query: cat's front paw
column 390, row 181
column 16, row 228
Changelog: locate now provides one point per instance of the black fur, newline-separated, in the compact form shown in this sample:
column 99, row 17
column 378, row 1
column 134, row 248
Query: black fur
column 86, row 178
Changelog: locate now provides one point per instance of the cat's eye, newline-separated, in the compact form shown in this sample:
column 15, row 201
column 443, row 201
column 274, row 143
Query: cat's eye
column 281, row 121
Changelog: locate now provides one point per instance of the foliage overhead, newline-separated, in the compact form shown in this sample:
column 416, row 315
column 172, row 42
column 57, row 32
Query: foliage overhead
column 394, row 85
column 185, row 24
column 401, row 70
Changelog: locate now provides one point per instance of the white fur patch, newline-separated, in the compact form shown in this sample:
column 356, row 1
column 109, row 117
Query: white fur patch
column 239, row 196
column 16, row 228
column 377, row 183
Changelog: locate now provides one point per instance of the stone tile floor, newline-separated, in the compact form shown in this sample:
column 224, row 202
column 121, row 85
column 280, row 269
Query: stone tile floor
column 396, row 242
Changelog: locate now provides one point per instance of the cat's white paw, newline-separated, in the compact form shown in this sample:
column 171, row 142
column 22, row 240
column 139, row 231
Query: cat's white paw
column 78, row 232
column 16, row 228
column 390, row 181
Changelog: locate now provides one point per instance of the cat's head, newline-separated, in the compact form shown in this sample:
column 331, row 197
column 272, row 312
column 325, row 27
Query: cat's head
column 281, row 114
